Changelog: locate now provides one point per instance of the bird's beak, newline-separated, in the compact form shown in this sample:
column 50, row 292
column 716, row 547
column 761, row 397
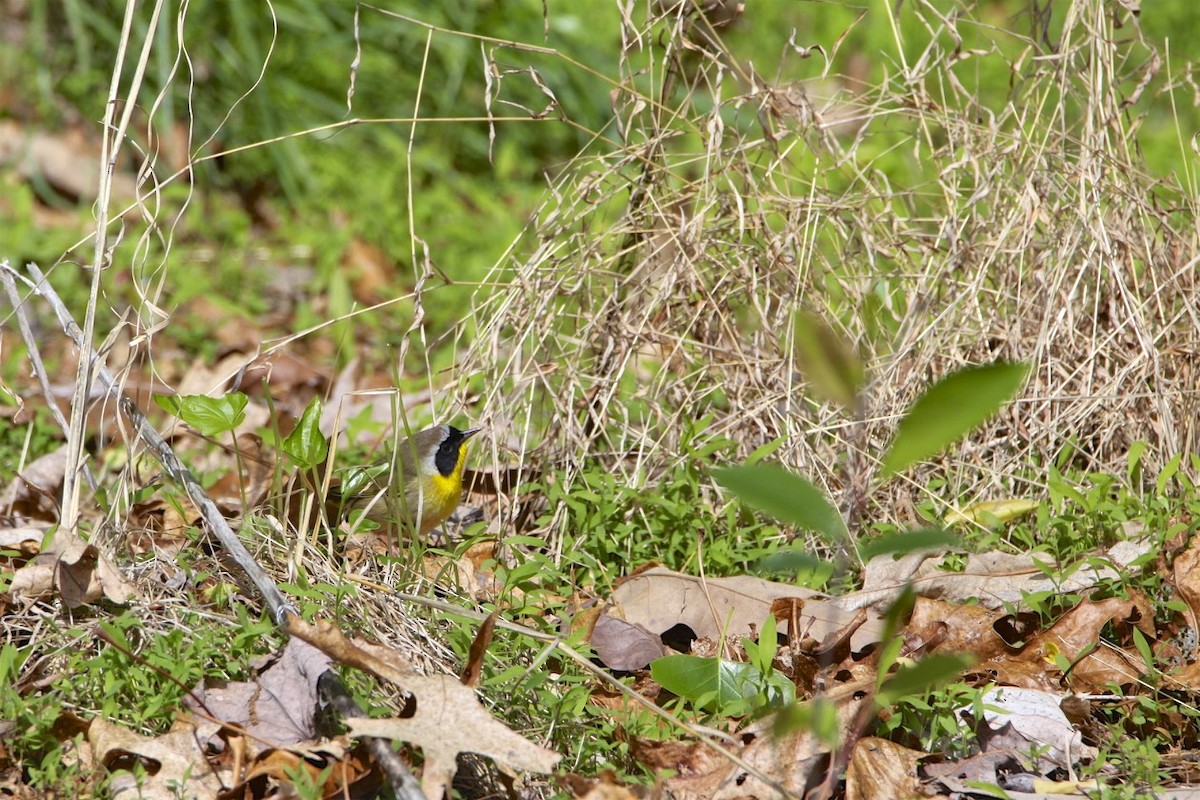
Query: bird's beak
column 467, row 434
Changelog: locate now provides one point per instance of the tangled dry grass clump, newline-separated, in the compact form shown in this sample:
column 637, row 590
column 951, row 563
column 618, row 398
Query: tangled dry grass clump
column 932, row 231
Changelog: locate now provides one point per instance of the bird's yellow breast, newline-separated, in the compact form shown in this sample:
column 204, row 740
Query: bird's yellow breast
column 440, row 495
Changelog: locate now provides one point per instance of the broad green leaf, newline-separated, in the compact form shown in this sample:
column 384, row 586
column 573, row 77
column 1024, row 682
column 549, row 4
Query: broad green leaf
column 818, row 716
column 949, row 409
column 1168, row 472
column 797, row 561
column 360, row 479
column 1133, row 461
column 211, row 416
column 1143, row 647
column 918, row 678
column 720, row 685
column 907, row 542
column 785, row 496
column 891, row 642
column 990, row 512
column 828, row 362
column 306, row 445
column 765, row 450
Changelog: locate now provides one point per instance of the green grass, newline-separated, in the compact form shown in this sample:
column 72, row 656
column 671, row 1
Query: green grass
column 292, row 207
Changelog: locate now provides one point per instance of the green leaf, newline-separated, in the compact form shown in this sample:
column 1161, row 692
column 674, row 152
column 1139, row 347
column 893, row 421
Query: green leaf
column 785, row 496
column 797, row 561
column 818, row 716
column 891, row 643
column 1143, row 647
column 827, row 361
column 991, row 512
column 211, row 416
column 950, row 409
column 1133, row 461
column 918, row 678
column 1168, row 472
column 306, row 445
column 907, row 542
column 727, row 687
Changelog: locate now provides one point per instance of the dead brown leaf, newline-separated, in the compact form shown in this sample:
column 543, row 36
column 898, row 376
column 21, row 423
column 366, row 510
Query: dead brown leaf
column 483, row 639
column 1186, row 574
column 276, row 709
column 1015, row 719
column 372, row 269
column 340, row 771
column 606, row 787
column 449, row 718
column 659, row 599
column 174, row 762
column 76, row 569
column 994, row 578
column 26, row 541
column 883, row 770
column 34, row 492
column 237, row 491
column 64, row 160
column 792, row 760
column 954, row 628
column 623, row 646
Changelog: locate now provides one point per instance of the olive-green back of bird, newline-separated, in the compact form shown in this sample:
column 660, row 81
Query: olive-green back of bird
column 424, row 482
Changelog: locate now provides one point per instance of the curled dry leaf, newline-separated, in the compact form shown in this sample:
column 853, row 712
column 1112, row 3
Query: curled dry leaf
column 938, row 626
column 25, row 541
column 76, row 569
column 247, row 478
column 604, row 788
column 33, row 492
column 338, row 771
column 1186, row 574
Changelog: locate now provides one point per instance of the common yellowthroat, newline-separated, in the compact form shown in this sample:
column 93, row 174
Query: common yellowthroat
column 429, row 467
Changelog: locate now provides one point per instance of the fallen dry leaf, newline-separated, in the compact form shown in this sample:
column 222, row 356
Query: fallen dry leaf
column 623, row 646
column 958, row 776
column 1017, row 718
column 1186, row 572
column 34, row 492
column 791, row 761
column 26, row 541
column 944, row 627
column 372, row 270
column 1079, row 630
column 238, row 491
column 339, row 771
column 994, row 578
column 67, row 162
column 174, row 762
column 277, row 708
column 449, row 718
column 883, row 770
column 659, row 599
column 76, row 569
column 606, row 787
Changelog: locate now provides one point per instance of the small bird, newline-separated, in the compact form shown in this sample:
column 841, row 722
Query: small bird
column 429, row 467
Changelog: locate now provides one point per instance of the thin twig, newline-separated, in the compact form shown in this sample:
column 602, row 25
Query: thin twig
column 272, row 597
